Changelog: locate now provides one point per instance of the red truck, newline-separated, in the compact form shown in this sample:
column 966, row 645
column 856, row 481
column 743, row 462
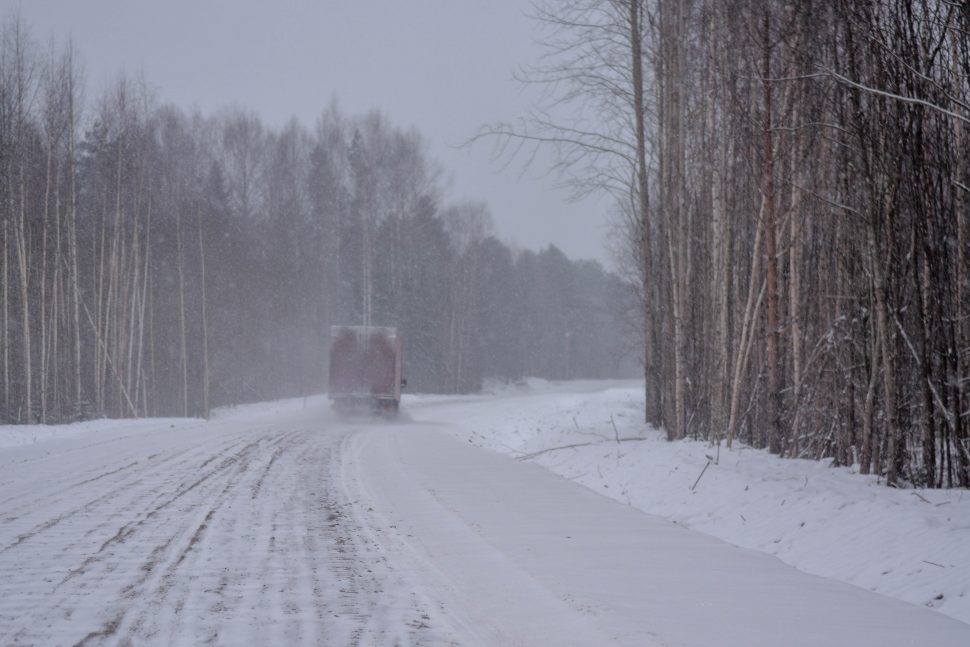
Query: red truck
column 365, row 369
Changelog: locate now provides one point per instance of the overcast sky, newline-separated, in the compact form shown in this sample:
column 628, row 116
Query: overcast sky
column 442, row 66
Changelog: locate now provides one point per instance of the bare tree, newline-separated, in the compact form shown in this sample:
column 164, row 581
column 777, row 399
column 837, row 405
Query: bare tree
column 593, row 116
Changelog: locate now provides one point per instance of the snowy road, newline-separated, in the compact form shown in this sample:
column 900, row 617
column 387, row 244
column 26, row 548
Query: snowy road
column 282, row 526
column 231, row 532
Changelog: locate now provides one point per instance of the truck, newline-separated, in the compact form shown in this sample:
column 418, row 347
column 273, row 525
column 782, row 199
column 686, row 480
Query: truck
column 365, row 370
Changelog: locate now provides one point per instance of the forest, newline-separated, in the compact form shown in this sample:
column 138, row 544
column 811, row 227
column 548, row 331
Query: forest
column 160, row 262
column 791, row 188
column 790, row 185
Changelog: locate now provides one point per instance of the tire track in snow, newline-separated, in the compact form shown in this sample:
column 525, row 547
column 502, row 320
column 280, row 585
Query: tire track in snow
column 129, row 529
column 237, row 536
column 66, row 487
column 158, row 571
column 146, row 493
column 158, row 591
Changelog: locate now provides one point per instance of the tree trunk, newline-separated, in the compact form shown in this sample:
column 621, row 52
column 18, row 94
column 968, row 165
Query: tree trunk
column 43, row 280
column 650, row 413
column 6, row 319
column 961, row 436
column 751, row 309
column 672, row 136
column 886, row 343
column 926, row 424
column 72, row 247
column 141, row 389
column 23, row 246
column 868, row 411
column 772, row 322
column 183, row 345
column 205, row 325
column 720, row 241
column 795, row 291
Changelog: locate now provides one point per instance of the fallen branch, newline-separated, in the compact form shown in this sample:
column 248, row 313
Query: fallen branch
column 700, row 475
column 525, row 457
column 107, row 356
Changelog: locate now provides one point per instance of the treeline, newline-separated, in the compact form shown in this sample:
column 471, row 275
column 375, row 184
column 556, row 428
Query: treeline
column 793, row 182
column 155, row 262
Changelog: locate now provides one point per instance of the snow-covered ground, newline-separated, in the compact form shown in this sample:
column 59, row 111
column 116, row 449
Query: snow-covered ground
column 909, row 544
column 280, row 524
column 186, row 532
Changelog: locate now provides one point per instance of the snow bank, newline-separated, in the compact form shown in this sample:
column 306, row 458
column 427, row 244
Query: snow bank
column 909, row 544
column 20, row 435
column 259, row 410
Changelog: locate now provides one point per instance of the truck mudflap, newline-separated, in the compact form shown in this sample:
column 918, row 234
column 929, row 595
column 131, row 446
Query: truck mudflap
column 387, row 408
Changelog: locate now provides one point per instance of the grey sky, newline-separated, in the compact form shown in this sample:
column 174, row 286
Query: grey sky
column 443, row 66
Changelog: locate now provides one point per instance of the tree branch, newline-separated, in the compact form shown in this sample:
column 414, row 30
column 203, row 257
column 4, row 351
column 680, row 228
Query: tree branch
column 898, row 97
